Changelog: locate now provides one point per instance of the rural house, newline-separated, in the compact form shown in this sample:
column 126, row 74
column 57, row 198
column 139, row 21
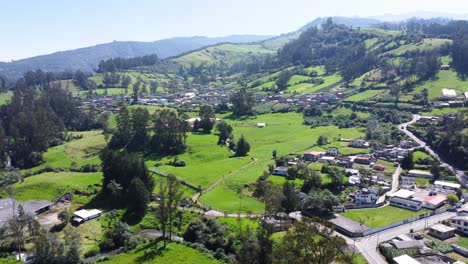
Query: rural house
column 460, row 223
column 332, row 151
column 409, row 204
column 358, row 143
column 407, row 182
column 281, row 171
column 366, row 196
column 312, row 156
column 441, row 231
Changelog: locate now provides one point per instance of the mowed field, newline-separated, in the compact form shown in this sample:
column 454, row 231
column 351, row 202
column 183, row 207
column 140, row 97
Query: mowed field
column 377, row 217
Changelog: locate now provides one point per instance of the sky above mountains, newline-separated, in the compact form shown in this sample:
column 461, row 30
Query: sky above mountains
column 31, row 27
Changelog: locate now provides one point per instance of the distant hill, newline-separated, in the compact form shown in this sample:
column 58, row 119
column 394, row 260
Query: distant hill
column 348, row 21
column 86, row 59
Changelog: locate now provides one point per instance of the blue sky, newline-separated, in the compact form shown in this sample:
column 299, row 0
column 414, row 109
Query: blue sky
column 34, row 27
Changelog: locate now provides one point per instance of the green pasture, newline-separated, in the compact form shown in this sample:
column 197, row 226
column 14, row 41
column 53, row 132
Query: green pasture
column 363, row 96
column 50, row 185
column 444, row 79
column 173, row 254
column 377, row 217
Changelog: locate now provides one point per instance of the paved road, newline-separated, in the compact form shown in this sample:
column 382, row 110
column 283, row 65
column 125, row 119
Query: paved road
column 459, row 173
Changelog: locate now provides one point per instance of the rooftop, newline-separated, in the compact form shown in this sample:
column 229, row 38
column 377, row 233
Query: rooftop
column 405, row 259
column 448, row 184
column 435, row 200
column 402, row 193
column 442, row 228
column 83, row 213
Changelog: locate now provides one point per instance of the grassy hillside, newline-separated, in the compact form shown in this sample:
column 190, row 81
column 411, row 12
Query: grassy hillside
column 228, row 53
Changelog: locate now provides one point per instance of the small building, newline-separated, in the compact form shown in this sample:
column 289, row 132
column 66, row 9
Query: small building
column 312, row 155
column 447, row 185
column 84, row 215
column 434, row 202
column 327, row 159
column 405, row 259
column 406, row 144
column 406, row 194
column 379, row 167
column 445, row 67
column 409, row 204
column 332, row 151
column 366, row 196
column 358, row 143
column 460, row 223
column 441, row 231
column 378, row 177
column 354, row 179
column 281, row 171
column 420, row 174
column 261, row 125
column 344, row 161
column 408, row 183
column 449, row 93
column 351, row 172
column 362, row 160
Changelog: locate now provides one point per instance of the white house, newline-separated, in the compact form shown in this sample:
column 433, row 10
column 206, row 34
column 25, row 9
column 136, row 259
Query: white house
column 327, row 159
column 447, row 185
column 420, row 173
column 282, row 171
column 460, row 223
column 332, row 151
column 449, row 93
column 358, row 143
column 84, row 215
column 434, row 202
column 406, row 194
column 409, row 204
column 407, row 182
column 366, row 196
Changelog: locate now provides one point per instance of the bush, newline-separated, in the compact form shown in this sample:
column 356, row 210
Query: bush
column 439, row 246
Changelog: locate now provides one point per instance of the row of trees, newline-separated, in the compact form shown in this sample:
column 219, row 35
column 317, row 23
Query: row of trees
column 116, row 64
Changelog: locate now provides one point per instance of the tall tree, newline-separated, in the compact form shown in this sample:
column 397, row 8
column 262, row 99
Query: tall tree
column 310, row 241
column 242, row 103
column 243, row 147
column 225, row 131
column 207, row 118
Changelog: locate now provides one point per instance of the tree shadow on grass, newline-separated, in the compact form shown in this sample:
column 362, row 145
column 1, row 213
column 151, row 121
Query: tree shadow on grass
column 150, row 250
column 133, row 218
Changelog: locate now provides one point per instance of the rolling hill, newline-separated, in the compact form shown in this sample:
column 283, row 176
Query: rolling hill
column 86, row 59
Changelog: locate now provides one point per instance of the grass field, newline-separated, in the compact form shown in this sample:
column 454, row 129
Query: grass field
column 462, row 241
column 228, row 53
column 310, row 88
column 444, row 79
column 298, row 79
column 363, row 96
column 50, row 185
column 80, row 151
column 237, row 223
column 173, row 254
column 426, row 44
column 5, row 97
column 420, row 155
column 377, row 217
column 228, row 200
column 443, row 111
